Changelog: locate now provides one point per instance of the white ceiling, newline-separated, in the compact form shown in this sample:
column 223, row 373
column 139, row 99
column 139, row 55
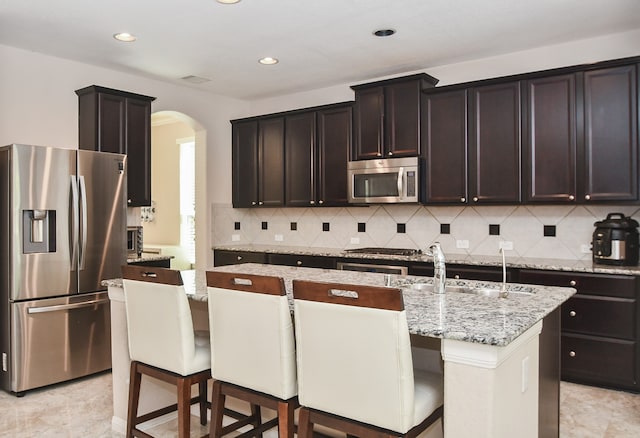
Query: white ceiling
column 319, row 43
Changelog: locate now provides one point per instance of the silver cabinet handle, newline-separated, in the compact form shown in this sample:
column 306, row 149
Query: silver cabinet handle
column 457, row 277
column 321, row 202
column 475, row 199
column 572, row 283
column 239, row 257
column 260, row 203
column 129, row 201
column 587, row 197
column 390, row 153
column 571, row 197
column 572, row 354
column 572, row 313
column 253, row 203
column 312, row 202
column 463, row 199
column 299, row 263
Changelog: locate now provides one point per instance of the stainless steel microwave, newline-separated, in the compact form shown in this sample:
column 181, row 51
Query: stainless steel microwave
column 385, row 181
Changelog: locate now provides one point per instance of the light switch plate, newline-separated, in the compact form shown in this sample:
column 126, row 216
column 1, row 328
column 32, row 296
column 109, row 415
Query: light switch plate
column 235, row 237
column 462, row 244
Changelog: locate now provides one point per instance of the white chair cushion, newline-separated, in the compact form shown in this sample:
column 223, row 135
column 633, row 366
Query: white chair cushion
column 252, row 341
column 428, row 394
column 160, row 329
column 356, row 362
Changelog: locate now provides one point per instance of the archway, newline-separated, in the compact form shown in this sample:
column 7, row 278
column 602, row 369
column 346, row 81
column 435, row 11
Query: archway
column 183, row 128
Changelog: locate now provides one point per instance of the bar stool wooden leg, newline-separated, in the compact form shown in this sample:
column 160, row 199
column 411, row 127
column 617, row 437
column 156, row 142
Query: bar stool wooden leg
column 256, row 414
column 135, row 379
column 217, row 410
column 184, row 416
column 305, row 429
column 286, row 424
column 202, row 392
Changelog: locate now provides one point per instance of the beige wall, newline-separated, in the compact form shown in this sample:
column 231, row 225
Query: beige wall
column 165, row 184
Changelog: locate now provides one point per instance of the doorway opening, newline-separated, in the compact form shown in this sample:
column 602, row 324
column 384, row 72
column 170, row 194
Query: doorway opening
column 177, row 190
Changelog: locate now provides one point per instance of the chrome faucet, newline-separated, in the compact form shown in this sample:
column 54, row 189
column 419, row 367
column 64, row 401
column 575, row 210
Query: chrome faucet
column 439, row 272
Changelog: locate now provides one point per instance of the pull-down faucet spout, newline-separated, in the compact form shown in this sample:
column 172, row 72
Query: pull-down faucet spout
column 439, row 271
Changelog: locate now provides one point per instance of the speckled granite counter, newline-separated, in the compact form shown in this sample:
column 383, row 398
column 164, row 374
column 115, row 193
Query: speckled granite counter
column 549, row 264
column 147, row 257
column 458, row 316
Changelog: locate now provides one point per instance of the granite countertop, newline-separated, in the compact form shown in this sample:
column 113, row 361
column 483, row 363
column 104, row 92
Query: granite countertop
column 454, row 315
column 548, row 264
column 149, row 257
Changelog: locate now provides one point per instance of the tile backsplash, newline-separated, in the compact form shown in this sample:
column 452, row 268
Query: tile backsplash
column 562, row 232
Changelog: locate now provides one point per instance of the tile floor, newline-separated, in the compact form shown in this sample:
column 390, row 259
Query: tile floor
column 82, row 409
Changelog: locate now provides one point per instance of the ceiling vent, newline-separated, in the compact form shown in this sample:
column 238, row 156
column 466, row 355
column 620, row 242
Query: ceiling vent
column 195, row 79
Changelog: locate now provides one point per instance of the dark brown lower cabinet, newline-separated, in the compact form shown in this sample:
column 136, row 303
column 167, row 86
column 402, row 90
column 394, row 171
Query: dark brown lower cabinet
column 224, row 257
column 164, row 263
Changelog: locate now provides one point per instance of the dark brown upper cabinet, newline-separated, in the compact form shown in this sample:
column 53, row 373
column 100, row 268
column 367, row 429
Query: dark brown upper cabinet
column 444, row 147
column 611, row 134
column 258, row 162
column 119, row 122
column 387, row 117
column 495, row 143
column 550, row 139
column 317, row 145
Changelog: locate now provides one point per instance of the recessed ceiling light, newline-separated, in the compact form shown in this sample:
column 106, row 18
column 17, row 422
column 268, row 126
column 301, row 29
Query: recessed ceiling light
column 228, row 2
column 124, row 37
column 384, row 32
column 268, row 60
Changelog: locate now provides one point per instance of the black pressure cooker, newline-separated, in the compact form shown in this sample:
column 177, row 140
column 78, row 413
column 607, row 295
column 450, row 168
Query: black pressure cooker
column 615, row 240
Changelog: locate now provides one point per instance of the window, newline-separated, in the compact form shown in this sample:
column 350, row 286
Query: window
column 188, row 200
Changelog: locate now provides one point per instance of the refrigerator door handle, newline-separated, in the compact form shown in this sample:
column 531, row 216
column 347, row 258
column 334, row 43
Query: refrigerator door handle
column 46, row 309
column 83, row 231
column 74, row 223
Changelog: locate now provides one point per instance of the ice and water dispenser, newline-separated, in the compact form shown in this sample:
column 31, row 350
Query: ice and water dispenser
column 38, row 231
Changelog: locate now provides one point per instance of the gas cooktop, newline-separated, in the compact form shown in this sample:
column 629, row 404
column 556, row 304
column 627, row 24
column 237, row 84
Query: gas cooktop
column 386, row 251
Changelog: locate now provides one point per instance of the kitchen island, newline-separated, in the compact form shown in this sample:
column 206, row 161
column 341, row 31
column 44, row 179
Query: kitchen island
column 489, row 345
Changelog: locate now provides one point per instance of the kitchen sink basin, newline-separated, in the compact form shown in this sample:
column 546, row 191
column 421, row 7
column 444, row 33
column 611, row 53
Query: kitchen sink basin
column 480, row 291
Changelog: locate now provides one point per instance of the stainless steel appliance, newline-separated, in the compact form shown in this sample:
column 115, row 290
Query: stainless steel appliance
column 134, row 241
column 62, row 231
column 615, row 240
column 392, row 180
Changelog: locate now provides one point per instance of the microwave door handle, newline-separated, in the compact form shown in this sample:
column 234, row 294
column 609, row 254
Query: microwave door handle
column 400, row 174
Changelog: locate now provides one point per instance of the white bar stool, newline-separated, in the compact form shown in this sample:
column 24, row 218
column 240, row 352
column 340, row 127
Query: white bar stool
column 355, row 369
column 162, row 344
column 253, row 350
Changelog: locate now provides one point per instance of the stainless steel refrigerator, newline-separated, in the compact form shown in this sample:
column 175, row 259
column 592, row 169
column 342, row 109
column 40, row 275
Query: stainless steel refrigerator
column 62, row 231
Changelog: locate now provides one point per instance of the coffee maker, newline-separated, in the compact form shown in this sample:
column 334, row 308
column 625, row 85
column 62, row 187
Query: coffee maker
column 615, row 241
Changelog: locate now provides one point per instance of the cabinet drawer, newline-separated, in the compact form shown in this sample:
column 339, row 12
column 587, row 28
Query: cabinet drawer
column 623, row 286
column 221, row 257
column 302, row 260
column 606, row 361
column 594, row 315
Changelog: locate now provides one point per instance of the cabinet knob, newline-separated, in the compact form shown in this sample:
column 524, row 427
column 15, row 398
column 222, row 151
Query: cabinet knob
column 457, row 277
column 390, row 153
column 253, row 203
column 463, row 199
column 299, row 263
column 379, row 154
column 239, row 257
column 587, row 197
column 260, row 202
column 475, row 199
column 321, row 202
column 572, row 313
column 572, row 354
column 571, row 197
column 572, row 283
column 128, row 201
column 312, row 202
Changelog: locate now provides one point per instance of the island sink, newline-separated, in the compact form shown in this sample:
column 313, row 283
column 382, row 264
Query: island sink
column 480, row 291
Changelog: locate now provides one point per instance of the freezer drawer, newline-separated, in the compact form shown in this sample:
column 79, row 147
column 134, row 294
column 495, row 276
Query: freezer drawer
column 58, row 339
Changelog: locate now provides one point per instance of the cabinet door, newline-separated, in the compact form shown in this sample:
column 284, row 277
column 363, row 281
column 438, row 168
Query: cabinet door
column 334, row 144
column 224, row 257
column 300, row 161
column 245, row 164
column 444, row 138
column 550, row 139
column 138, row 136
column 271, row 162
column 402, row 119
column 369, row 121
column 111, row 124
column 494, row 143
column 611, row 134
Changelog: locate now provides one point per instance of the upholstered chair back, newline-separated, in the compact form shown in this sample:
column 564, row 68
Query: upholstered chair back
column 160, row 327
column 252, row 341
column 354, row 354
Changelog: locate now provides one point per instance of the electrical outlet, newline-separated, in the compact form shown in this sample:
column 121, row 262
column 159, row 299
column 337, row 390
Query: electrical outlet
column 279, row 237
column 585, row 249
column 507, row 245
column 235, row 237
column 462, row 244
column 525, row 374
column 354, row 240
